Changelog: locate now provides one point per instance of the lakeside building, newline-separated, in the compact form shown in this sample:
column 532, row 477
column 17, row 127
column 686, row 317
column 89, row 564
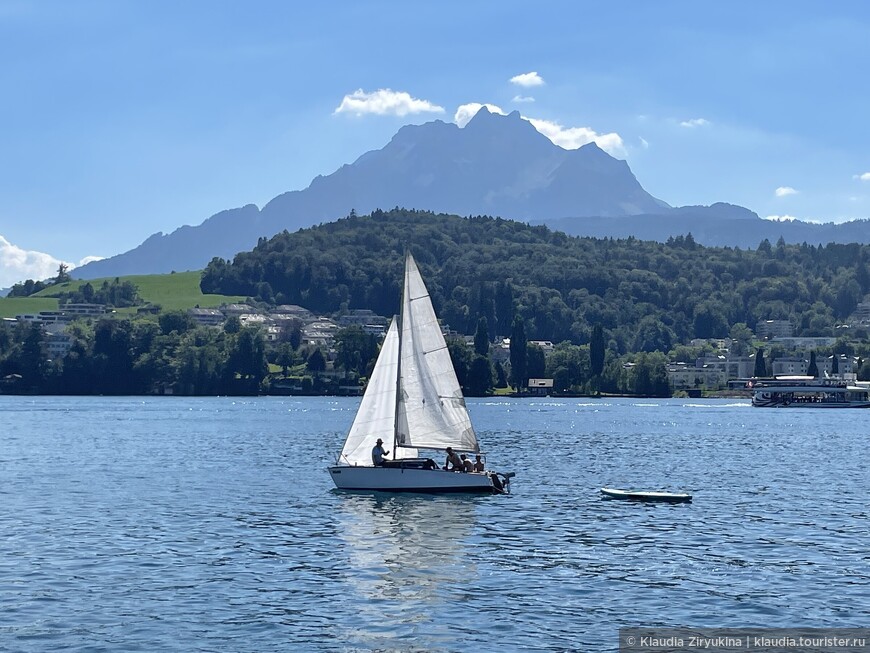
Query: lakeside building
column 774, row 329
column 377, row 330
column 722, row 344
column 730, row 367
column 790, row 366
column 58, row 344
column 683, row 376
column 803, row 342
column 361, row 317
column 293, row 311
column 236, row 310
column 319, row 333
column 500, row 351
column 540, row 387
column 847, row 366
column 84, row 309
column 286, row 321
column 252, row 319
column 546, row 346
column 207, row 316
column 46, row 317
column 272, row 333
column 861, row 316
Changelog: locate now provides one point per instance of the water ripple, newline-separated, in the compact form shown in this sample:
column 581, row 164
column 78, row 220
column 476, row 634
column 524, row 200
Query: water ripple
column 211, row 525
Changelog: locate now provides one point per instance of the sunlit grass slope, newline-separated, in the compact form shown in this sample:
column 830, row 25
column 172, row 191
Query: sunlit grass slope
column 171, row 291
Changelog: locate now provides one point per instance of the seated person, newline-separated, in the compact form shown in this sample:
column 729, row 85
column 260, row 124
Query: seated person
column 478, row 464
column 467, row 465
column 378, row 454
column 453, row 462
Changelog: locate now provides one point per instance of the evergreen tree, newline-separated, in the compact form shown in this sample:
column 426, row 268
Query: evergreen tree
column 62, row 273
column 248, row 356
column 597, row 350
column 536, row 367
column 504, row 307
column 32, row 364
column 835, row 363
column 355, row 349
column 481, row 338
column 461, row 357
column 285, row 357
column 519, row 347
column 813, row 369
column 479, row 377
column 500, row 376
column 316, row 362
column 180, row 321
column 760, row 369
column 295, row 337
column 233, row 324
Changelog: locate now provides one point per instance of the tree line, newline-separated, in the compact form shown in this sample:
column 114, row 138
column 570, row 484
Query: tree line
column 172, row 354
column 616, row 309
column 124, row 356
column 646, row 296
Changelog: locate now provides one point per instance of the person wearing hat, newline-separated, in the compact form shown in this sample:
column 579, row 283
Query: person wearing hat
column 378, row 454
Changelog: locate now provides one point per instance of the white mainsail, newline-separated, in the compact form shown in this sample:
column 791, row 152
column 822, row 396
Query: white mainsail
column 431, row 409
column 376, row 417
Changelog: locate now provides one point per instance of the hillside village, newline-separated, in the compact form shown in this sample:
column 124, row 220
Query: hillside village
column 719, row 368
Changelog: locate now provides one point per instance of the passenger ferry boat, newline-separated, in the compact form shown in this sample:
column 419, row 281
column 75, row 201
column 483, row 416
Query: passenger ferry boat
column 808, row 392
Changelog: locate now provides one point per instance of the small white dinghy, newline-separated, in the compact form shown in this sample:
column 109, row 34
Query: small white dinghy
column 639, row 495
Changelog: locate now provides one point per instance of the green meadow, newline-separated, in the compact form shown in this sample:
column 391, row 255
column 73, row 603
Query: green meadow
column 12, row 306
column 179, row 290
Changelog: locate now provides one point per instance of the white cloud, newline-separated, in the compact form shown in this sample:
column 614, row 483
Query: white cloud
column 643, row 142
column 862, row 177
column 573, row 137
column 18, row 264
column 467, row 111
column 785, row 191
column 780, row 218
column 568, row 137
column 527, row 80
column 695, row 122
column 521, row 99
column 385, row 102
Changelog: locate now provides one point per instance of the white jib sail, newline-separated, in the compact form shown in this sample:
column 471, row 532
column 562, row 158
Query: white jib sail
column 376, row 415
column 432, row 413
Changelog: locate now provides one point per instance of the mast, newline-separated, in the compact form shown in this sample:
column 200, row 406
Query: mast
column 399, row 363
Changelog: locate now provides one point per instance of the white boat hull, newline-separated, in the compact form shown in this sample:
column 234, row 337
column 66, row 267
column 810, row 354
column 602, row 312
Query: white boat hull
column 397, row 479
column 851, row 404
column 807, row 393
column 638, row 495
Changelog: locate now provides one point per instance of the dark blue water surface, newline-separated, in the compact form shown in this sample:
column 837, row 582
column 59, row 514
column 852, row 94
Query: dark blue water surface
column 170, row 524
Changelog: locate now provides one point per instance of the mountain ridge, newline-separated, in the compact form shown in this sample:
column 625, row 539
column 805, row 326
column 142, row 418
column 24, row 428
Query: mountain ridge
column 495, row 165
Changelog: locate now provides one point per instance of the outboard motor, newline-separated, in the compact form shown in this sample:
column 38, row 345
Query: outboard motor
column 501, row 482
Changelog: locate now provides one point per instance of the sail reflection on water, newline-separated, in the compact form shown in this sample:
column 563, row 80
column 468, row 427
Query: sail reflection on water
column 404, row 552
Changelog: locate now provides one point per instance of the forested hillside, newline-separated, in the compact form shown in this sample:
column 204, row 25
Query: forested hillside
column 648, row 296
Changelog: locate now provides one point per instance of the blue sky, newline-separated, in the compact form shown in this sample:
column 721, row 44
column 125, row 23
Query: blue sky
column 120, row 119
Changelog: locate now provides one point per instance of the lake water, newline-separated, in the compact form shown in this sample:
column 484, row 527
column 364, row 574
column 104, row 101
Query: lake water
column 176, row 524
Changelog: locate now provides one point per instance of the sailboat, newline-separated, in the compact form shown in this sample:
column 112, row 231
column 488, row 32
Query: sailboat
column 414, row 400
